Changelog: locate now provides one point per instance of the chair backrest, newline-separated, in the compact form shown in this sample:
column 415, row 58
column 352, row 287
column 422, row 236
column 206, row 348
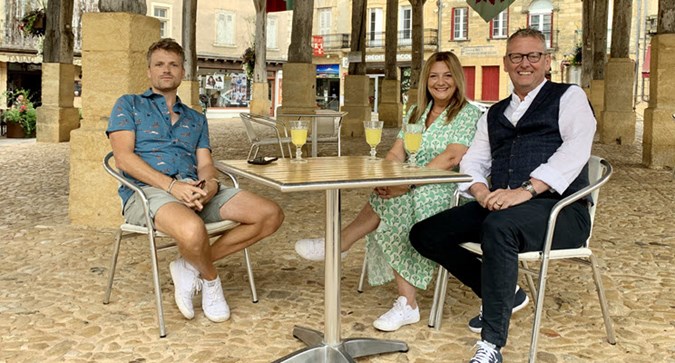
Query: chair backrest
column 330, row 124
column 250, row 130
column 597, row 169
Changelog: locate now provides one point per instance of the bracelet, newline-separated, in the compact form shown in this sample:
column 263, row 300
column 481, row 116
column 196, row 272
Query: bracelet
column 168, row 190
column 217, row 184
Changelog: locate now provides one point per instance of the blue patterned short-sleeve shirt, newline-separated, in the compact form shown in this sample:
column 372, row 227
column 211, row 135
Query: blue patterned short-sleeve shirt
column 170, row 149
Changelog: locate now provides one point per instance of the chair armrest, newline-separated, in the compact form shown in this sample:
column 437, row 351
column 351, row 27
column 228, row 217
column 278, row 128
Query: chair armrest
column 129, row 184
column 232, row 178
column 121, row 178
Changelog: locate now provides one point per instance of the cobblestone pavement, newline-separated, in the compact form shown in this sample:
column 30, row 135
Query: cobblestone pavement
column 52, row 277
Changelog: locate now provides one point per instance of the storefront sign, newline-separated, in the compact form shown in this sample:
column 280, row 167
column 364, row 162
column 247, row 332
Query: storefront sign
column 480, row 50
column 317, row 46
column 380, row 57
column 20, row 58
column 328, row 71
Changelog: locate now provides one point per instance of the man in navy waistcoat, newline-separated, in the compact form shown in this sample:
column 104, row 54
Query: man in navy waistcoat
column 533, row 147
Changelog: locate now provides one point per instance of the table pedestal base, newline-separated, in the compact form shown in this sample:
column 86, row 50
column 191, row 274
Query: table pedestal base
column 346, row 351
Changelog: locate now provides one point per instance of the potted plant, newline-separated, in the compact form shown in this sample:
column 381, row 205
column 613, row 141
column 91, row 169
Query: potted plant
column 33, row 23
column 21, row 117
column 572, row 62
column 248, row 61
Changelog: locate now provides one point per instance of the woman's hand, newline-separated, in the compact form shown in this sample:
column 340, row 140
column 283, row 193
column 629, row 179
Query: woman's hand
column 390, row 192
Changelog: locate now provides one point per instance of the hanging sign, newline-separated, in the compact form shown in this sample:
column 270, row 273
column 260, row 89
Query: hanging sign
column 489, row 9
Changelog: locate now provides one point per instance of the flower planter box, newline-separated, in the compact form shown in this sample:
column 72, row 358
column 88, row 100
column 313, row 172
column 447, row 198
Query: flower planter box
column 15, row 131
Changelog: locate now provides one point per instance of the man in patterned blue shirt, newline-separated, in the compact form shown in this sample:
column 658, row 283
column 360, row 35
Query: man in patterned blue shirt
column 163, row 145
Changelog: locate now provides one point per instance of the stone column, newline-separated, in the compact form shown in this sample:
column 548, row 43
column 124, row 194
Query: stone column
column 658, row 143
column 57, row 116
column 114, row 47
column 299, row 88
column 390, row 108
column 356, row 103
column 618, row 118
column 188, row 91
column 260, row 103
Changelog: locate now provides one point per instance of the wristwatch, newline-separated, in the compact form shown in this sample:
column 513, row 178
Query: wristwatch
column 527, row 185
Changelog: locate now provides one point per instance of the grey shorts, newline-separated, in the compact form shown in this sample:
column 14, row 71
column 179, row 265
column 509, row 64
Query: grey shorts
column 133, row 209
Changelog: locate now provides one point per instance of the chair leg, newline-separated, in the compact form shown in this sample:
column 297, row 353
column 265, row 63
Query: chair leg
column 539, row 307
column 113, row 266
column 530, row 281
column 609, row 327
column 436, row 314
column 251, row 281
column 158, row 288
column 363, row 273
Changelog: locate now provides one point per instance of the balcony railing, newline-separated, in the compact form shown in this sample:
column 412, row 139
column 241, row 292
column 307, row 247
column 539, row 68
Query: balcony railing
column 13, row 38
column 376, row 39
column 336, row 41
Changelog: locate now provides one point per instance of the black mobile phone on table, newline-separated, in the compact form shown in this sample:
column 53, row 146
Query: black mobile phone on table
column 262, row 160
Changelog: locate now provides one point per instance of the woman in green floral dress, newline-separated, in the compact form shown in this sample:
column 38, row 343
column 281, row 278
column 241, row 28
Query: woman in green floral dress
column 385, row 221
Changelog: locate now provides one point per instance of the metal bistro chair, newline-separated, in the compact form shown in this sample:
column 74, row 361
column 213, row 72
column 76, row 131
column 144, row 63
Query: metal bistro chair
column 599, row 172
column 328, row 127
column 129, row 230
column 258, row 140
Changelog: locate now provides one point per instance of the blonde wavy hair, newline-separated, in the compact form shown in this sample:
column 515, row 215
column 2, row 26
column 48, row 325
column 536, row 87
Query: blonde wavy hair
column 458, row 99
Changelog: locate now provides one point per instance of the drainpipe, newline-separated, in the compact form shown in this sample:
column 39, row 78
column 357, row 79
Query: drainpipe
column 440, row 26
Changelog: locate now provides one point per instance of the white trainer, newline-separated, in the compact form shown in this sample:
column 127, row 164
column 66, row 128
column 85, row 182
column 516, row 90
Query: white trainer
column 186, row 284
column 313, row 249
column 213, row 301
column 399, row 315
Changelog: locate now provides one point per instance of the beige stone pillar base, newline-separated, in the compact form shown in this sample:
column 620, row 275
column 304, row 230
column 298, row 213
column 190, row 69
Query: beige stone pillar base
column 57, row 117
column 260, row 104
column 113, row 64
column 356, row 103
column 93, row 199
column 597, row 98
column 189, row 94
column 390, row 108
column 658, row 143
column 55, row 123
column 299, row 88
column 618, row 118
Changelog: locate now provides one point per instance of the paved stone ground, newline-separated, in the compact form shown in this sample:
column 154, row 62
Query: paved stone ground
column 52, row 277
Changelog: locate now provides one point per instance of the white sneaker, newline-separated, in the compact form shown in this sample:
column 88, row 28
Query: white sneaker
column 399, row 315
column 313, row 249
column 213, row 301
column 186, row 284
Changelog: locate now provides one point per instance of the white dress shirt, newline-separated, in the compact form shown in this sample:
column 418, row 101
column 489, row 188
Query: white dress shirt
column 577, row 128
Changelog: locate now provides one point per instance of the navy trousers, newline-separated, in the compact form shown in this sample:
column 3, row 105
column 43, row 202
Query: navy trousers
column 502, row 235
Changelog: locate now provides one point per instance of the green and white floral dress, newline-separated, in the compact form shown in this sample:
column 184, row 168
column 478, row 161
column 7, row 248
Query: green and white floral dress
column 388, row 246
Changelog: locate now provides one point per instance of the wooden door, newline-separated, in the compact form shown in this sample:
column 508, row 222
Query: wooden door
column 490, row 89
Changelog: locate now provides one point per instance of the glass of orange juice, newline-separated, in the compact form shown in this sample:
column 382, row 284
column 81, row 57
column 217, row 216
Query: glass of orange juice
column 412, row 140
column 299, row 138
column 373, row 136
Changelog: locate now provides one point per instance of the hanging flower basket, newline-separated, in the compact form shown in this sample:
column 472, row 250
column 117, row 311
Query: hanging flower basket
column 33, row 23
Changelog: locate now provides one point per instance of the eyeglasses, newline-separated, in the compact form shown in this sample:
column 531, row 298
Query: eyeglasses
column 517, row 58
